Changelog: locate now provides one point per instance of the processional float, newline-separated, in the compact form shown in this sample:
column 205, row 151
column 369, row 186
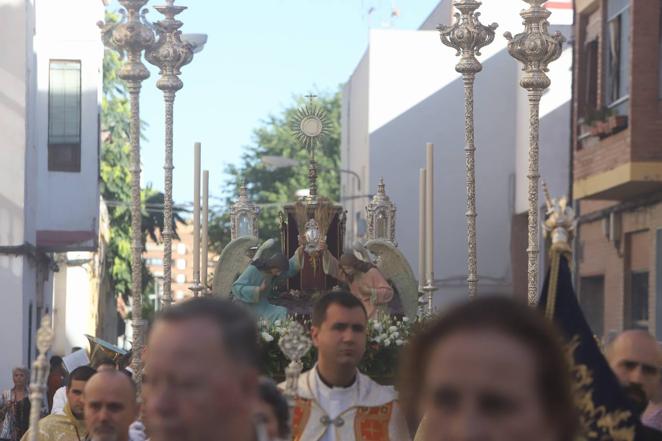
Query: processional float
column 314, row 219
column 310, row 222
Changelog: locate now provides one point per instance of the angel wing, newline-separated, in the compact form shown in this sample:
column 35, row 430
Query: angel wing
column 361, row 252
column 268, row 249
column 233, row 261
column 394, row 266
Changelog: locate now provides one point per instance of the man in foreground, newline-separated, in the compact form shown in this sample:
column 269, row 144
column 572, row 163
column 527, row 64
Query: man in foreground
column 69, row 426
column 200, row 379
column 336, row 401
column 110, row 406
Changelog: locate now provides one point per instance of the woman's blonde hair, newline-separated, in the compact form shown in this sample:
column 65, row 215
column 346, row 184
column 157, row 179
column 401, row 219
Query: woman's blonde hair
column 23, row 369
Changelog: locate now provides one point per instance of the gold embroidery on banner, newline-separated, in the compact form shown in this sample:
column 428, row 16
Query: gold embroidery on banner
column 596, row 423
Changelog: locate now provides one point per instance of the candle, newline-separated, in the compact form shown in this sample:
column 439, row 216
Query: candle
column 421, row 229
column 429, row 214
column 205, row 225
column 196, row 215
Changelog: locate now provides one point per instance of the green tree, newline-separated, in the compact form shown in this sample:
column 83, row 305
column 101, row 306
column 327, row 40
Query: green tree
column 116, row 185
column 274, row 138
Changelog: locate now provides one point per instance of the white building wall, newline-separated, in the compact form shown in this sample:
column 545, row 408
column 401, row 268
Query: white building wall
column 415, row 96
column 76, row 301
column 65, row 36
column 30, row 199
column 17, row 272
column 355, row 153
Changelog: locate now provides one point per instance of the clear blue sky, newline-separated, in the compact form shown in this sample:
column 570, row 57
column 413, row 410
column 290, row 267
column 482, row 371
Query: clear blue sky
column 259, row 54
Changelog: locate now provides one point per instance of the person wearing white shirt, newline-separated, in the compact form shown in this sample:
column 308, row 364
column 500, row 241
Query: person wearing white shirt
column 59, row 401
column 334, row 400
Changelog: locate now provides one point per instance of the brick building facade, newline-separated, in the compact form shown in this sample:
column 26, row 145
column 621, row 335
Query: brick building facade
column 617, row 164
column 182, row 263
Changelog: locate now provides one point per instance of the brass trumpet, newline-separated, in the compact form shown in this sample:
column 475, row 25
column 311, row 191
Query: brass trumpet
column 101, row 350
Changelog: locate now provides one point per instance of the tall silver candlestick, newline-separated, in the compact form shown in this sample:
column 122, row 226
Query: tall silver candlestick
column 535, row 48
column 468, row 36
column 169, row 54
column 130, row 37
column 205, row 231
column 196, row 287
column 39, row 375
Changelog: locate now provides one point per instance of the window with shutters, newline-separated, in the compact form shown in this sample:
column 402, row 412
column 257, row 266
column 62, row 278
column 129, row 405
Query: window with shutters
column 617, row 47
column 64, row 115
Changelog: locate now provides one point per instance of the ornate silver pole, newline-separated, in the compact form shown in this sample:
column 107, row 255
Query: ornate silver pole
column 468, row 35
column 39, row 375
column 131, row 36
column 535, row 48
column 429, row 289
column 169, row 54
column 295, row 344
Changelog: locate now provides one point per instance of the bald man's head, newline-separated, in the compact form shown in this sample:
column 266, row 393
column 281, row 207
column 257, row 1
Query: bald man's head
column 635, row 359
column 110, row 406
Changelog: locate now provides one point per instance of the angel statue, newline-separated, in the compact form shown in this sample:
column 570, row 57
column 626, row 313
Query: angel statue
column 381, row 278
column 364, row 279
column 257, row 282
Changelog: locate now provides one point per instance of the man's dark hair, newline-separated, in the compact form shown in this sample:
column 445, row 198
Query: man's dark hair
column 236, row 324
column 270, row 394
column 56, row 361
column 342, row 298
column 81, row 373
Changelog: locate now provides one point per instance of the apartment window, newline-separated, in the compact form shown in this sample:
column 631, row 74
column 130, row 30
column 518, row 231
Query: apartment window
column 181, row 264
column 153, row 261
column 639, row 299
column 658, row 283
column 591, row 51
column 592, row 301
column 181, row 278
column 617, row 87
column 659, row 61
column 64, row 114
column 181, row 248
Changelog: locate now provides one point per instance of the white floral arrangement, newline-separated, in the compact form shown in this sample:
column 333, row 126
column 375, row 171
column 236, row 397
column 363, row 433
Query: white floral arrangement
column 387, row 331
column 387, row 335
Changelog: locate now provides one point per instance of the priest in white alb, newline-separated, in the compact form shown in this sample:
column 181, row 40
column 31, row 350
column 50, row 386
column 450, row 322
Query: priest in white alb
column 334, row 400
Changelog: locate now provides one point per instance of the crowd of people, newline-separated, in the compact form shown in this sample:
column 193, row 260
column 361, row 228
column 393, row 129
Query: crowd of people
column 490, row 369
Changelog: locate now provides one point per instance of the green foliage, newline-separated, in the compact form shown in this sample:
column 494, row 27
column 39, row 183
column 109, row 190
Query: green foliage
column 116, row 184
column 598, row 115
column 274, row 138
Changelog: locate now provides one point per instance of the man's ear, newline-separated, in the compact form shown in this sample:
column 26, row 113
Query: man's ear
column 314, row 335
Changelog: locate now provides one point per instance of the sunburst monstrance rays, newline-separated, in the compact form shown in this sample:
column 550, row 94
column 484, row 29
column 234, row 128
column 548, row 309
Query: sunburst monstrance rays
column 310, row 125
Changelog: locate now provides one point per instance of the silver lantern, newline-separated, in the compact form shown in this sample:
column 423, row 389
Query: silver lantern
column 243, row 216
column 381, row 216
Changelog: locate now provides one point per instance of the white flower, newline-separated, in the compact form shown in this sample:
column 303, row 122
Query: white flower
column 267, row 337
column 377, row 339
column 393, row 328
column 405, row 319
column 387, row 342
column 395, row 335
column 377, row 326
column 277, row 323
column 399, row 342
